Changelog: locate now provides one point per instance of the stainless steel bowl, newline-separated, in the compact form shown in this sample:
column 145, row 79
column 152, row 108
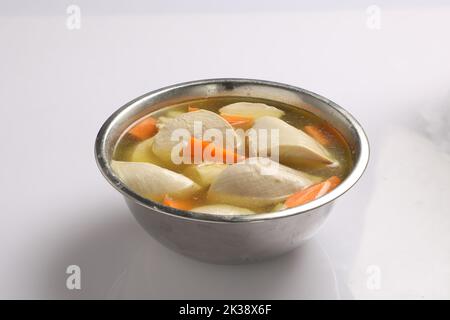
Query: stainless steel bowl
column 231, row 239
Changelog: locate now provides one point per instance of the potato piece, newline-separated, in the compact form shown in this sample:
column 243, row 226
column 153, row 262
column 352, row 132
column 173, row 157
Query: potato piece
column 162, row 121
column 256, row 183
column 204, row 174
column 143, row 153
column 278, row 207
column 222, row 209
column 251, row 110
column 295, row 147
column 174, row 113
column 150, row 181
column 169, row 115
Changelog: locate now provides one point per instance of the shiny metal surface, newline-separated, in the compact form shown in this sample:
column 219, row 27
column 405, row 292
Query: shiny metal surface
column 231, row 239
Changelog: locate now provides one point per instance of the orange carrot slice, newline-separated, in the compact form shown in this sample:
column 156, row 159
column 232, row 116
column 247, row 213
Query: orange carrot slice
column 225, row 155
column 190, row 109
column 144, row 129
column 238, row 121
column 318, row 134
column 313, row 192
column 178, row 204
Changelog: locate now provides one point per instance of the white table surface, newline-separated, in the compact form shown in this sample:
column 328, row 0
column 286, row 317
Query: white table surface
column 387, row 238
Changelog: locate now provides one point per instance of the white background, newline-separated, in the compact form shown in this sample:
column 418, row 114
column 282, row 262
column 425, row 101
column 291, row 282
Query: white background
column 387, row 238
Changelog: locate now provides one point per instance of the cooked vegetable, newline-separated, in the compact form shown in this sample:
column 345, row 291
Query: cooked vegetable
column 174, row 113
column 238, row 121
column 205, row 173
column 144, row 129
column 295, row 147
column 251, row 110
column 222, row 209
column 164, row 142
column 313, row 192
column 256, row 182
column 201, row 157
column 143, row 153
column 169, row 115
column 162, row 122
column 210, row 152
column 318, row 134
column 278, row 207
column 152, row 181
column 178, row 204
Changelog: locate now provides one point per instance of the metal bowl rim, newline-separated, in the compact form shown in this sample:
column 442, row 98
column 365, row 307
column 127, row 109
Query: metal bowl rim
column 356, row 173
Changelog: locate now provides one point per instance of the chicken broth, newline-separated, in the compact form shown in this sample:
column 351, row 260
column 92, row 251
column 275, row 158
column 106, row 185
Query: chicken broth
column 313, row 157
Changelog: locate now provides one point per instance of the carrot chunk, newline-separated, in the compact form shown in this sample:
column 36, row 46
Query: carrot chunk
column 144, row 129
column 225, row 155
column 178, row 204
column 313, row 192
column 238, row 121
column 190, row 109
column 318, row 134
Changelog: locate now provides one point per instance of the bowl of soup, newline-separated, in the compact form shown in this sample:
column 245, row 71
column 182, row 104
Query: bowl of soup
column 231, row 170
